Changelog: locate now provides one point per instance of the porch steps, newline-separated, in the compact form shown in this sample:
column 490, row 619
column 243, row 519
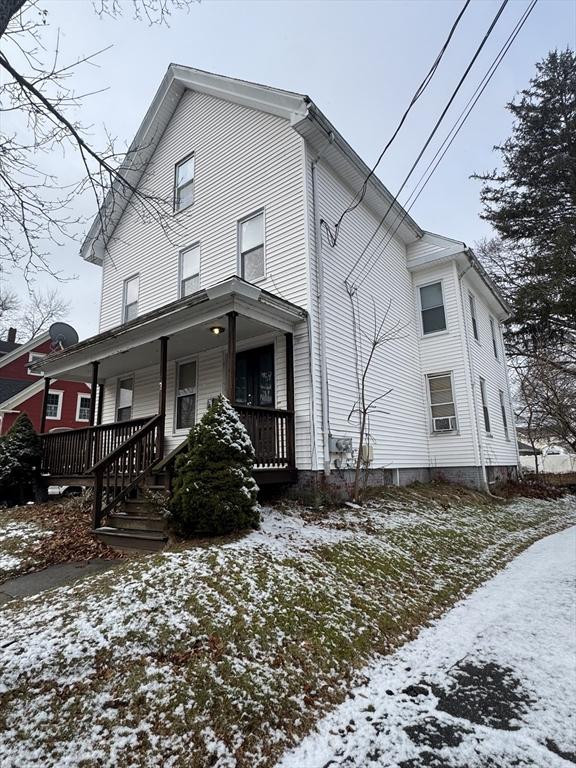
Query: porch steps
column 128, row 539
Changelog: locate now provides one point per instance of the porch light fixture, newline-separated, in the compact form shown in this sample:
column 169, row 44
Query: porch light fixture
column 217, row 330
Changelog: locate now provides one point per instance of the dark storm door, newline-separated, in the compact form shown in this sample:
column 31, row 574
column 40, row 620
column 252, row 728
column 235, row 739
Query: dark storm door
column 255, row 387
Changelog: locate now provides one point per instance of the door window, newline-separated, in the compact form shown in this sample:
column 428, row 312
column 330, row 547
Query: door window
column 255, row 377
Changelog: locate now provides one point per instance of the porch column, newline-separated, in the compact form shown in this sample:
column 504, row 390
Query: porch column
column 100, row 404
column 44, row 404
column 231, row 383
column 93, row 391
column 162, row 392
column 290, row 433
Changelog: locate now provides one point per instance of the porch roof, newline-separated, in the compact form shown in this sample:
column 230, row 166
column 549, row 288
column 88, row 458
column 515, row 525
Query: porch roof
column 186, row 322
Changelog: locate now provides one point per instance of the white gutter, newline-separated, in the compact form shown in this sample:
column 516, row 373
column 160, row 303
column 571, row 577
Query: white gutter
column 321, row 315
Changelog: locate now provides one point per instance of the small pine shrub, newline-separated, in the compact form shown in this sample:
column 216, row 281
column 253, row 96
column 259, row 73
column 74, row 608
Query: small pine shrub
column 20, row 455
column 214, row 491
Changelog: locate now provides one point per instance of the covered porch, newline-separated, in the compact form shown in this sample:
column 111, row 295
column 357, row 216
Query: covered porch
column 153, row 377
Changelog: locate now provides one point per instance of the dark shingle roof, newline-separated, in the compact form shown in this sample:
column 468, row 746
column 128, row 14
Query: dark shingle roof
column 8, row 346
column 11, row 387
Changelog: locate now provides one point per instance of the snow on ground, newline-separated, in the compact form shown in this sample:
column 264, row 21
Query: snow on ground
column 493, row 680
column 226, row 654
column 16, row 538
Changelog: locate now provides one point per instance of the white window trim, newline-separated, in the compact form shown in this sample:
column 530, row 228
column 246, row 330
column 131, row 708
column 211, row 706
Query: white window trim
column 452, row 432
column 118, row 380
column 239, row 238
column 180, row 278
column 177, row 364
column 193, row 183
column 419, row 302
column 32, row 358
column 60, row 393
column 124, row 296
column 79, row 396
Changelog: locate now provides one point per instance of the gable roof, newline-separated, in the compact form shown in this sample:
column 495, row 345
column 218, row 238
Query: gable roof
column 297, row 108
column 23, row 349
column 11, row 387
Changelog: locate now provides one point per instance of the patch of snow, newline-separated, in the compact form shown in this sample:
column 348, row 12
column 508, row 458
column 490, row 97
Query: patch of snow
column 522, row 620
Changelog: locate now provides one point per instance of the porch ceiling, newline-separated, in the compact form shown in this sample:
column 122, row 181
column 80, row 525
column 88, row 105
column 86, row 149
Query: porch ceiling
column 186, row 322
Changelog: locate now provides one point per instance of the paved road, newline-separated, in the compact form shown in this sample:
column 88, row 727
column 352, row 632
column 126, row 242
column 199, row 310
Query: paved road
column 490, row 685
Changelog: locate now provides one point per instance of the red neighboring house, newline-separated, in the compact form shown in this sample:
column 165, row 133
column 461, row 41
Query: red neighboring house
column 23, row 392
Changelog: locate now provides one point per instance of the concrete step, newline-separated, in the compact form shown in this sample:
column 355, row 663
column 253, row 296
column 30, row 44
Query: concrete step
column 124, row 539
column 137, row 522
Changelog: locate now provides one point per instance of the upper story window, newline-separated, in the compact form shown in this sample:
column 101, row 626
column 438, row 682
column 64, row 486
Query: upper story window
column 251, row 246
column 124, row 398
column 504, row 417
column 184, row 184
column 442, row 407
column 485, row 410
column 493, row 334
column 54, row 405
column 472, row 301
column 32, row 358
column 83, row 408
column 432, row 308
column 189, row 270
column 131, row 288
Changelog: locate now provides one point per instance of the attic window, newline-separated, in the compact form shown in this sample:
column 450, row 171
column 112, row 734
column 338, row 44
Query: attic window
column 184, row 184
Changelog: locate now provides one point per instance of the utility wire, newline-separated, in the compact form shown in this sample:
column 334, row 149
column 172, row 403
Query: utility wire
column 359, row 196
column 446, row 144
column 430, row 137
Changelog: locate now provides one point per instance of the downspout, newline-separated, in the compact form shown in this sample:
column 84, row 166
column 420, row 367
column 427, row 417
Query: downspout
column 472, row 382
column 321, row 315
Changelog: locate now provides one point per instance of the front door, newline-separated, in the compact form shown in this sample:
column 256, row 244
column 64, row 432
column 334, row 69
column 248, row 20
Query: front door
column 255, row 377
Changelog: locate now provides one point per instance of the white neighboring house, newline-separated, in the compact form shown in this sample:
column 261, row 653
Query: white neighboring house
column 247, row 297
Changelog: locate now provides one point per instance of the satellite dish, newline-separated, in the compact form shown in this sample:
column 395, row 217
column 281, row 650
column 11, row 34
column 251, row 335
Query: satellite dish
column 62, row 335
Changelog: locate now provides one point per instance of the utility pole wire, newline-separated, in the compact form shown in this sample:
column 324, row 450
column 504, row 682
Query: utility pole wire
column 446, row 144
column 359, row 196
column 430, row 137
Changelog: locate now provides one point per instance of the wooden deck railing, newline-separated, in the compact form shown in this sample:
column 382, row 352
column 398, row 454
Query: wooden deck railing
column 272, row 433
column 122, row 470
column 72, row 453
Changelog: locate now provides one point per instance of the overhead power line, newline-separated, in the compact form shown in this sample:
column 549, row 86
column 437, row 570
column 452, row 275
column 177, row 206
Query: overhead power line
column 446, row 144
column 430, row 136
column 359, row 196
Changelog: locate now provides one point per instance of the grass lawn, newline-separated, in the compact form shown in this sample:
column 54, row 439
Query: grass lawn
column 226, row 654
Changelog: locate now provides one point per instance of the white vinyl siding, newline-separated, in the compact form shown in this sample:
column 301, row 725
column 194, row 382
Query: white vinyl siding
column 184, row 184
column 432, row 308
column 54, row 405
column 189, row 270
column 130, row 310
column 251, row 247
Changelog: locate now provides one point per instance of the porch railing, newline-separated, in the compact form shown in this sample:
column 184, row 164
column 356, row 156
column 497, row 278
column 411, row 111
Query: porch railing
column 272, row 433
column 122, row 470
column 72, row 453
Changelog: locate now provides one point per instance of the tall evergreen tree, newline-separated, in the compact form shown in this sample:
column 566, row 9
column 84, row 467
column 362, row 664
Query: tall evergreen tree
column 531, row 203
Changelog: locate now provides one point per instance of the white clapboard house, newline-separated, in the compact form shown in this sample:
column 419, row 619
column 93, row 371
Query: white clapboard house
column 243, row 293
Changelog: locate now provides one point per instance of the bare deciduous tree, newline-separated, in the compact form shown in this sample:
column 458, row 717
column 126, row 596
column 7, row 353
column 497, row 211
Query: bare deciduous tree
column 35, row 315
column 38, row 106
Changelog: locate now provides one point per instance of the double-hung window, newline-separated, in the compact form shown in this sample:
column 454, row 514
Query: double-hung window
column 186, row 395
column 504, row 417
column 432, row 308
column 473, row 318
column 124, row 399
column 184, row 184
column 131, row 289
column 485, row 410
column 83, row 408
column 493, row 334
column 189, row 270
column 251, row 247
column 54, row 405
column 442, row 407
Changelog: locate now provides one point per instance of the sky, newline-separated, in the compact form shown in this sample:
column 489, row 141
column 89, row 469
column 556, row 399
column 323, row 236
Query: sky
column 359, row 61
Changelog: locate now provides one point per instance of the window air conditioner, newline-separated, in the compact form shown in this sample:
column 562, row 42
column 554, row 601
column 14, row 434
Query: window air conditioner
column 444, row 424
